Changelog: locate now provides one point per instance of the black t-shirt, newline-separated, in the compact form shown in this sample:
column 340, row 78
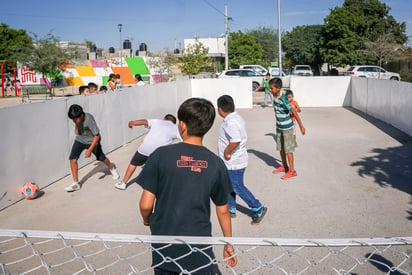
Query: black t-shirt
column 184, row 178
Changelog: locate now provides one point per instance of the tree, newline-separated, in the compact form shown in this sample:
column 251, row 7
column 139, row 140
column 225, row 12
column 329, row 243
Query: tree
column 14, row 45
column 47, row 56
column 194, row 58
column 267, row 38
column 348, row 28
column 382, row 49
column 243, row 49
column 301, row 45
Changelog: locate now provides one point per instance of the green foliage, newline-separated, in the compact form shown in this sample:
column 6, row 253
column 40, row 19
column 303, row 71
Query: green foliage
column 14, row 45
column 405, row 74
column 194, row 58
column 267, row 38
column 243, row 49
column 348, row 28
column 302, row 45
column 47, row 56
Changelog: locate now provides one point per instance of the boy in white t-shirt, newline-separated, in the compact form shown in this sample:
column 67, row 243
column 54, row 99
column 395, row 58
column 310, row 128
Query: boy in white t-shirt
column 161, row 132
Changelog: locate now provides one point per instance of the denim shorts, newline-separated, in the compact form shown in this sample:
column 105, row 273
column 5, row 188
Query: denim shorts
column 285, row 140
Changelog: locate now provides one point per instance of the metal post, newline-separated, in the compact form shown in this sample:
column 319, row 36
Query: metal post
column 280, row 41
column 121, row 55
column 226, row 40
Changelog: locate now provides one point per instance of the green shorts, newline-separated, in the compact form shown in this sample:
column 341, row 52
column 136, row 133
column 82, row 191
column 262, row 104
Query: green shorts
column 285, row 140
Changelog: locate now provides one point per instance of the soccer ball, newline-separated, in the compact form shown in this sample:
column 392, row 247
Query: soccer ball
column 30, row 190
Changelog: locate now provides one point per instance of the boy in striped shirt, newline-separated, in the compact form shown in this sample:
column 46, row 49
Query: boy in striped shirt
column 285, row 142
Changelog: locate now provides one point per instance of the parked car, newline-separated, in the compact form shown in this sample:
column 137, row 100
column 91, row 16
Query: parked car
column 274, row 72
column 256, row 77
column 370, row 71
column 257, row 68
column 302, row 70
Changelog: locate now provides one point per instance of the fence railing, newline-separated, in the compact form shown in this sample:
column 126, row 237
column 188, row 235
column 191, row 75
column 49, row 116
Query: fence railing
column 48, row 252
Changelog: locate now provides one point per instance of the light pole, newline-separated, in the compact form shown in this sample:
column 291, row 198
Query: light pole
column 121, row 55
column 226, row 39
column 280, row 42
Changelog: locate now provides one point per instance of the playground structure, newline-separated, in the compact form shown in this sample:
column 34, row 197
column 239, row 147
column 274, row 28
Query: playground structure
column 16, row 91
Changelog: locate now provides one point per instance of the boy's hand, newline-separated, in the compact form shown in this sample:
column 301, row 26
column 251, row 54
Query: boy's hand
column 229, row 254
column 87, row 154
column 302, row 130
column 228, row 156
column 131, row 124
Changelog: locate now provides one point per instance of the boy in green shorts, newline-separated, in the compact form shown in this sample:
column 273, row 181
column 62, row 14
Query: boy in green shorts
column 284, row 129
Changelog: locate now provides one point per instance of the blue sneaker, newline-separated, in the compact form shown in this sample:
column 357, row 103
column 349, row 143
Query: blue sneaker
column 258, row 216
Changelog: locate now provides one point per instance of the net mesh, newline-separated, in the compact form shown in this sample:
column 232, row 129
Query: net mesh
column 48, row 252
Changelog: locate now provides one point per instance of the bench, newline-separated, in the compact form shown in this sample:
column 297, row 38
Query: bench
column 35, row 89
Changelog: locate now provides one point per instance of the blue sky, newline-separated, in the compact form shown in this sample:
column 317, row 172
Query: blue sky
column 165, row 23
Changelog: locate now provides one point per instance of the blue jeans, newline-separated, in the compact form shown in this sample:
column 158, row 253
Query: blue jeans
column 239, row 188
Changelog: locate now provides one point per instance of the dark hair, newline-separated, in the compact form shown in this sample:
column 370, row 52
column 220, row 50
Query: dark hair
column 112, row 75
column 75, row 111
column 267, row 74
column 82, row 88
column 288, row 92
column 138, row 77
column 198, row 114
column 277, row 82
column 92, row 85
column 103, row 88
column 225, row 102
column 171, row 118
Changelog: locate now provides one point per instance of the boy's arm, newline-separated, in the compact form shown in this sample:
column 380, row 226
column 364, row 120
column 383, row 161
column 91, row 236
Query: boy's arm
column 90, row 149
column 223, row 216
column 295, row 114
column 138, row 122
column 297, row 107
column 229, row 149
column 146, row 206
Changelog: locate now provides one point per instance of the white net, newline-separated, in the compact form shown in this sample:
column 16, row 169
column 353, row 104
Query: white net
column 46, row 252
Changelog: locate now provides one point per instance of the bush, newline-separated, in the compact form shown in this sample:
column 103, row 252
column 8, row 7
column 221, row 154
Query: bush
column 405, row 74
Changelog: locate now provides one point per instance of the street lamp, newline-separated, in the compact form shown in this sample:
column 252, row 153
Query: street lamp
column 280, row 42
column 121, row 57
column 226, row 39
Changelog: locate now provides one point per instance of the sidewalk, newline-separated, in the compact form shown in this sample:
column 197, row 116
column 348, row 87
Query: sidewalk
column 354, row 180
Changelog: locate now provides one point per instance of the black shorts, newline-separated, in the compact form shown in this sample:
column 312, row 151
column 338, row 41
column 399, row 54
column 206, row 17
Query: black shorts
column 138, row 159
column 79, row 147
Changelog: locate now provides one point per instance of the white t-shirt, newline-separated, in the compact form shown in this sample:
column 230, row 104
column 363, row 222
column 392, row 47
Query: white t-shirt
column 140, row 83
column 161, row 132
column 233, row 130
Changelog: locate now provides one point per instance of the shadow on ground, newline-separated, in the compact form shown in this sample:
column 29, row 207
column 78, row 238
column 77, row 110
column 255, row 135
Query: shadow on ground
column 392, row 166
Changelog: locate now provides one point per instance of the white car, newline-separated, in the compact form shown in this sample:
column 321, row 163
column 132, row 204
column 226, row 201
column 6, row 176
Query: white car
column 255, row 77
column 302, row 70
column 370, row 71
column 274, row 72
column 257, row 68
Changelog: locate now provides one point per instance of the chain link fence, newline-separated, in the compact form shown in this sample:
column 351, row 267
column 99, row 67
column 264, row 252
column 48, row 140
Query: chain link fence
column 47, row 252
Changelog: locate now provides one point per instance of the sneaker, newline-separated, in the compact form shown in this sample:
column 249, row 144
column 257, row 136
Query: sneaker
column 289, row 175
column 280, row 169
column 73, row 187
column 258, row 216
column 120, row 185
column 114, row 173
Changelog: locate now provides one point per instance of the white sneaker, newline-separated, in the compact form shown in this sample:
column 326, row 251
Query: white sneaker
column 73, row 187
column 114, row 173
column 120, row 185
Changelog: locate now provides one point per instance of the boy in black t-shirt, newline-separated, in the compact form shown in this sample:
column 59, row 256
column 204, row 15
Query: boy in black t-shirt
column 183, row 178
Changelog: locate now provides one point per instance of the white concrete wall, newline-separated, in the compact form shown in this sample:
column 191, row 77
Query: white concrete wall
column 37, row 138
column 318, row 91
column 389, row 101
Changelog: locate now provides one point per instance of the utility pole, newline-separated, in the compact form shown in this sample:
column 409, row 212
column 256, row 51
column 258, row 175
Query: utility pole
column 121, row 55
column 280, row 42
column 226, row 39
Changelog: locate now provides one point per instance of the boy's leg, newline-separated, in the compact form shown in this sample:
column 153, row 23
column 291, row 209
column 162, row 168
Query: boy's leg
column 74, row 168
column 137, row 160
column 100, row 156
column 284, row 161
column 291, row 163
column 290, row 145
column 237, row 179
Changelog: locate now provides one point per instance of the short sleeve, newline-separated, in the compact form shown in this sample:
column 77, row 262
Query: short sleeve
column 93, row 126
column 286, row 102
column 233, row 131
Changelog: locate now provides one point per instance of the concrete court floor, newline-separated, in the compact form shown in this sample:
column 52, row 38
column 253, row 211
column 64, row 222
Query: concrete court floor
column 354, row 181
